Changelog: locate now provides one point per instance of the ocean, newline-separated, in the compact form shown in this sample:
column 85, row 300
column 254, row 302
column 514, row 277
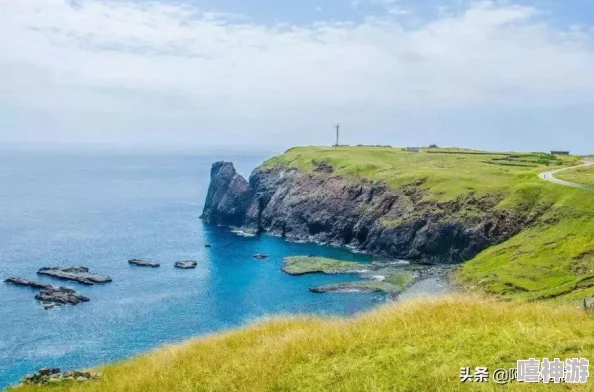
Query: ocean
column 99, row 208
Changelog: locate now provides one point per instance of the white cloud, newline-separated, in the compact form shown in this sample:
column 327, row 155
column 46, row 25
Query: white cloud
column 222, row 71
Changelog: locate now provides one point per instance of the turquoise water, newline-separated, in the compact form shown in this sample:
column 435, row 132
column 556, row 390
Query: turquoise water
column 99, row 209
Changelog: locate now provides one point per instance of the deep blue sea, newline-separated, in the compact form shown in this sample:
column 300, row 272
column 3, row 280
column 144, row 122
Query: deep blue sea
column 99, row 209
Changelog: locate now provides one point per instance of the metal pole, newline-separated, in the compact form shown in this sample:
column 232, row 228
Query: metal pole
column 337, row 135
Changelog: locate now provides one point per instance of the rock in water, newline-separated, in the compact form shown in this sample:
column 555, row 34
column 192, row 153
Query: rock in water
column 56, row 296
column 27, row 283
column 187, row 264
column 75, row 274
column 229, row 196
column 143, row 263
column 50, row 296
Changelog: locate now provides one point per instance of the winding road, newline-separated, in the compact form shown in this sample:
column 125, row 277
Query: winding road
column 550, row 176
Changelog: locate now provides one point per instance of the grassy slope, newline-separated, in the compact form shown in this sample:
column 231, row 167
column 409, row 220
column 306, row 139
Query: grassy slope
column 553, row 259
column 415, row 346
column 581, row 175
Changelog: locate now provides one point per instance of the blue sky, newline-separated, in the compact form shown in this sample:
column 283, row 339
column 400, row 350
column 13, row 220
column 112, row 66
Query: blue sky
column 566, row 12
column 514, row 74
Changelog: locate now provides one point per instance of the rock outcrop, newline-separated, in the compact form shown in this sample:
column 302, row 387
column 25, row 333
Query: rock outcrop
column 144, row 263
column 27, row 283
column 55, row 376
column 57, row 296
column 229, row 196
column 50, row 296
column 76, row 274
column 324, row 207
column 187, row 264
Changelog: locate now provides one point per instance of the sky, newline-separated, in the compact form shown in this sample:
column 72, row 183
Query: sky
column 497, row 75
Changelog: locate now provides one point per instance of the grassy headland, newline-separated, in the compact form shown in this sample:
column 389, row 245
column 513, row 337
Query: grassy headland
column 553, row 258
column 416, row 346
column 444, row 173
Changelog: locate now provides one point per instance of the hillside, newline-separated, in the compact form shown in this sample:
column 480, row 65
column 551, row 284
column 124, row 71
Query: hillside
column 418, row 346
column 519, row 236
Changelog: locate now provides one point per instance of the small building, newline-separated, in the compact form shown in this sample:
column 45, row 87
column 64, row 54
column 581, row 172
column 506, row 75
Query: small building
column 413, row 149
column 559, row 152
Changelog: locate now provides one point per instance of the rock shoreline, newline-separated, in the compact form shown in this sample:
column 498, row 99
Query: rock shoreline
column 56, row 376
column 370, row 217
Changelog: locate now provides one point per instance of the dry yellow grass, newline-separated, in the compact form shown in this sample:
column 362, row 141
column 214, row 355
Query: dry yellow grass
column 415, row 346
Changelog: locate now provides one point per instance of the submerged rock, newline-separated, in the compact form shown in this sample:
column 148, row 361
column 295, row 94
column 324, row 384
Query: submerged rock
column 365, row 286
column 27, row 283
column 143, row 263
column 187, row 264
column 75, row 274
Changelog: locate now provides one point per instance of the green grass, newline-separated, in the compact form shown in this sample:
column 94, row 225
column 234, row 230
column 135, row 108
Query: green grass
column 415, row 346
column 553, row 259
column 400, row 279
column 445, row 174
column 581, row 175
column 301, row 265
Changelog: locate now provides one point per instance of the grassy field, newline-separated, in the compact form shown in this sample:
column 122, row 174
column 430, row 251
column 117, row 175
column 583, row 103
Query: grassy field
column 416, row 346
column 445, row 173
column 581, row 175
column 554, row 259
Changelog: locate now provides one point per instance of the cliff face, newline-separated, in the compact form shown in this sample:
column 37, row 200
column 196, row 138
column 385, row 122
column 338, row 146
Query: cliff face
column 229, row 196
column 324, row 207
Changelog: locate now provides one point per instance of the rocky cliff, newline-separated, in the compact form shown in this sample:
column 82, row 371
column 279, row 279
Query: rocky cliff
column 323, row 207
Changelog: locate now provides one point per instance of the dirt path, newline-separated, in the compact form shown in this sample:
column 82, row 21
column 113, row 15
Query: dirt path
column 550, row 176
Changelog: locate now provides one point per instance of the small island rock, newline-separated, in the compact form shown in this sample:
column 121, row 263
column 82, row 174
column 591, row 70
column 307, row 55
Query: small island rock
column 27, row 283
column 144, row 263
column 187, row 264
column 75, row 274
column 56, row 296
column 50, row 296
